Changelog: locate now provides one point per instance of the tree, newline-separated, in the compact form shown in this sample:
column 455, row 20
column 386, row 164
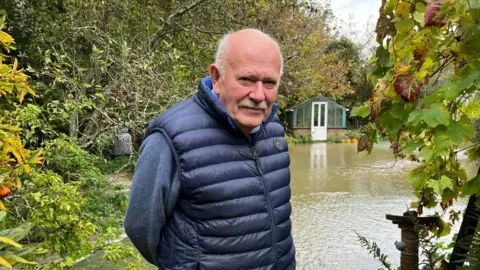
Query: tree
column 419, row 43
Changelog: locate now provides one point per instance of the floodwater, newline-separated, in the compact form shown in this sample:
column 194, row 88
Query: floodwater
column 335, row 193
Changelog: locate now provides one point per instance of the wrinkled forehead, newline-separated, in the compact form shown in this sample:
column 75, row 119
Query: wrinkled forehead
column 254, row 58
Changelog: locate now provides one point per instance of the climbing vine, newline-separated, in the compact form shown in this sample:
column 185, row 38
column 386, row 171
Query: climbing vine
column 426, row 96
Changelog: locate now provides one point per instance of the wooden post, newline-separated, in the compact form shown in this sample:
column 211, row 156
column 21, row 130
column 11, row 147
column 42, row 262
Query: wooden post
column 409, row 258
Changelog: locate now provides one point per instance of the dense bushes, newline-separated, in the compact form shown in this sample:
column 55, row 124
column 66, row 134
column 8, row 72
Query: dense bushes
column 55, row 195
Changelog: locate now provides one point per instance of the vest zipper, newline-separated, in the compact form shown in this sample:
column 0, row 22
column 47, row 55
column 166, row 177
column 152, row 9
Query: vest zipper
column 267, row 197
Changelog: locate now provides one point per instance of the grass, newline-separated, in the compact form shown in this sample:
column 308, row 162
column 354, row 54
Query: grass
column 118, row 164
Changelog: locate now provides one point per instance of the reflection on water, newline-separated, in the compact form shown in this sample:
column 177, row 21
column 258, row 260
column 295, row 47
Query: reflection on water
column 336, row 191
column 342, row 192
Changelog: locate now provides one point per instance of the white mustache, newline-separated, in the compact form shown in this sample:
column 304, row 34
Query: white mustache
column 253, row 105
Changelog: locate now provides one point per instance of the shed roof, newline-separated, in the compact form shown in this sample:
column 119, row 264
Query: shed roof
column 316, row 99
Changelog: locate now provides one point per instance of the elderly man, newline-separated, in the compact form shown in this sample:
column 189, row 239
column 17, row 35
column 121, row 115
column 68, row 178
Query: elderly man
column 211, row 187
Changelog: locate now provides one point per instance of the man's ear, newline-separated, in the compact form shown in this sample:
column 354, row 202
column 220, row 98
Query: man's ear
column 214, row 72
column 215, row 75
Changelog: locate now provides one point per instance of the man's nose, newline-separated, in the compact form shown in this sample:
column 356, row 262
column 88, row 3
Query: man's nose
column 258, row 92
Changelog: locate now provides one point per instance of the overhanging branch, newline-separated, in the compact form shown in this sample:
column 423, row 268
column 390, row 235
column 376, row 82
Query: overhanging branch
column 162, row 31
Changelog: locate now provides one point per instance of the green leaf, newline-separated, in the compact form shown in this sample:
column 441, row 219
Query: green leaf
column 442, row 147
column 437, row 114
column 383, row 56
column 17, row 233
column 390, row 124
column 473, row 153
column 3, row 214
column 418, row 180
column 435, row 97
column 472, row 110
column 363, row 111
column 472, row 187
column 404, row 25
column 34, row 157
column 452, row 91
column 411, row 146
column 445, row 229
column 464, row 81
column 14, row 258
column 475, row 4
column 390, row 6
column 459, row 130
column 427, row 154
column 440, row 185
column 419, row 17
column 441, row 132
column 415, row 117
column 424, row 69
column 420, row 7
column 400, row 112
column 414, row 205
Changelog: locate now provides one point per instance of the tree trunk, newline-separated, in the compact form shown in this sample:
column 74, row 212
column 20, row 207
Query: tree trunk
column 466, row 234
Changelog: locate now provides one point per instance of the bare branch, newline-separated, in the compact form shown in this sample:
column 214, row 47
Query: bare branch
column 466, row 148
column 161, row 32
column 104, row 114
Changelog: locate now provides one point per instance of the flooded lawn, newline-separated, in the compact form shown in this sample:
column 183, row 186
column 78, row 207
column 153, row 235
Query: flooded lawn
column 336, row 191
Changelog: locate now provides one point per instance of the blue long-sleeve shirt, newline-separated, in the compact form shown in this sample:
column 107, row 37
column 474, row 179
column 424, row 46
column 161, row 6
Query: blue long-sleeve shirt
column 154, row 192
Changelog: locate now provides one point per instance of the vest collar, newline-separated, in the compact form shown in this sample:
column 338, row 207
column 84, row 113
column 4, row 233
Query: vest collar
column 209, row 101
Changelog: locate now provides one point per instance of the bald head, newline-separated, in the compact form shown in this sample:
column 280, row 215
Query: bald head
column 246, row 76
column 245, row 40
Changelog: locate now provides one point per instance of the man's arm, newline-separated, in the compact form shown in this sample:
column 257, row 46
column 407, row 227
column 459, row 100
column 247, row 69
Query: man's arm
column 154, row 191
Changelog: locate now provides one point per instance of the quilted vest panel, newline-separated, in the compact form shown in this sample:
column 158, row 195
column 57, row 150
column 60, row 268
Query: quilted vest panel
column 234, row 206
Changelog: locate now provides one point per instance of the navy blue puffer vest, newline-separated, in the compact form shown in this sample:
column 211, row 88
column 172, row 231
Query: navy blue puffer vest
column 234, row 206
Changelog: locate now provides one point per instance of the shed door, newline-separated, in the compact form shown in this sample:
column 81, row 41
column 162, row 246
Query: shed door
column 319, row 121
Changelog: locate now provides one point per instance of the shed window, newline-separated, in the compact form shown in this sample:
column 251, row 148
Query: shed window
column 338, row 117
column 302, row 116
column 299, row 120
column 331, row 115
column 308, row 115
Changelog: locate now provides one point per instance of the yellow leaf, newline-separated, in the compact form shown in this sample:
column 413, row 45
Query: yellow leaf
column 20, row 95
column 10, row 242
column 29, row 90
column 402, row 70
column 15, row 65
column 27, row 168
column 18, row 259
column 2, row 207
column 403, row 9
column 452, row 1
column 472, row 110
column 35, row 157
column 10, row 127
column 18, row 184
column 3, row 262
column 17, row 155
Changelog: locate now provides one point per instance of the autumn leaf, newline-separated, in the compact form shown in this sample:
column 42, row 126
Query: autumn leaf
column 4, row 263
column 10, row 242
column 440, row 185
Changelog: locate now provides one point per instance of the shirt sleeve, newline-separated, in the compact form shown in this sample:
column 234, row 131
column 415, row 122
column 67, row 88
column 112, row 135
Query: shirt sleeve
column 153, row 194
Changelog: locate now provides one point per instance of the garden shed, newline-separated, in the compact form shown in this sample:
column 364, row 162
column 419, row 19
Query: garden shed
column 319, row 118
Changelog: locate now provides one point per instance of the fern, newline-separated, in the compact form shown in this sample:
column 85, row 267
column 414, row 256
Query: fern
column 473, row 257
column 375, row 250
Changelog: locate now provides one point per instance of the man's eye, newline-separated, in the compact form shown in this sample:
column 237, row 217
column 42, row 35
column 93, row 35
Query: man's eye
column 270, row 84
column 245, row 80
